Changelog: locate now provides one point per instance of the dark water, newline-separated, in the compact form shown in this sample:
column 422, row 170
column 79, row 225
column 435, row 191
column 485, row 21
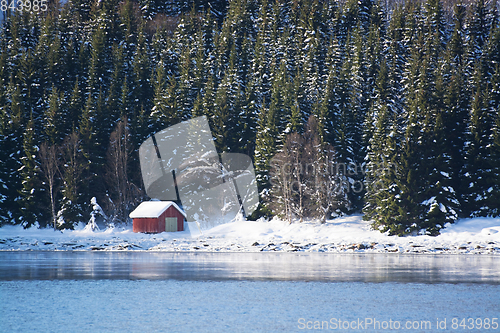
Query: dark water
column 241, row 292
column 250, row 266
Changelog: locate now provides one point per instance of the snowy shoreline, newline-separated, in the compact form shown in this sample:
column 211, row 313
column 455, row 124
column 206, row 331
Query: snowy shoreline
column 342, row 235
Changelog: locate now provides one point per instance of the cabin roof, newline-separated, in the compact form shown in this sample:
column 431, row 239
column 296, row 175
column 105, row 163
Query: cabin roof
column 153, row 209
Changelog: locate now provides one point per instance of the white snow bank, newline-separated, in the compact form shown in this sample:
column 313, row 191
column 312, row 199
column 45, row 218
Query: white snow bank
column 346, row 234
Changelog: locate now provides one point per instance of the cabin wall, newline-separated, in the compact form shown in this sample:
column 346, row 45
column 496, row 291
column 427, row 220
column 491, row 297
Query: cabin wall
column 147, row 225
column 173, row 212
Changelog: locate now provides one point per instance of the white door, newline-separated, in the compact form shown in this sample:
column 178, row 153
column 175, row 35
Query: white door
column 170, row 223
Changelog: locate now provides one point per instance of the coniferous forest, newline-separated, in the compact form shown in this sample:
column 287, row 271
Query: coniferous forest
column 394, row 104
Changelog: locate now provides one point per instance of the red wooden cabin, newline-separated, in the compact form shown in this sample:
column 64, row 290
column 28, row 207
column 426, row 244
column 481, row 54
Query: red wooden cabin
column 158, row 216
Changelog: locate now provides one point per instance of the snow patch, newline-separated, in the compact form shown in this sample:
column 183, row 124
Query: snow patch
column 343, row 234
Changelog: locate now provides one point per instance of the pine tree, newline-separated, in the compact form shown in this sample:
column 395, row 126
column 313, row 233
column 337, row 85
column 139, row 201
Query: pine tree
column 493, row 198
column 381, row 193
column 11, row 153
column 74, row 108
column 279, row 114
column 114, row 107
column 348, row 135
column 442, row 205
column 226, row 108
column 261, row 74
column 409, row 183
column 160, row 117
column 457, row 102
column 140, row 87
column 88, row 146
column 481, row 163
column 310, row 63
column 361, row 91
column 248, row 120
column 72, row 202
column 30, row 213
column 208, row 101
column 264, row 151
column 478, row 30
column 185, row 91
column 52, row 121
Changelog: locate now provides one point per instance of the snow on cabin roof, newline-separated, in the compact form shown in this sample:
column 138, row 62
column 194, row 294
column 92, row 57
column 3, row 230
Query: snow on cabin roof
column 153, row 209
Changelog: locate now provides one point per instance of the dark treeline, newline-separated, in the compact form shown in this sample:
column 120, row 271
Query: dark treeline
column 405, row 95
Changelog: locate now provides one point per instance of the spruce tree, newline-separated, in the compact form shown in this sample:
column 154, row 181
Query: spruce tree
column 493, row 199
column 160, row 117
column 457, row 102
column 140, row 83
column 264, row 151
column 52, row 118
column 442, row 205
column 29, row 201
column 73, row 178
column 481, row 152
column 226, row 108
column 11, row 152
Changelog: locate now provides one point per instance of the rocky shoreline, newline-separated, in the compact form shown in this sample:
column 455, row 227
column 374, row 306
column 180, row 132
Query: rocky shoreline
column 212, row 244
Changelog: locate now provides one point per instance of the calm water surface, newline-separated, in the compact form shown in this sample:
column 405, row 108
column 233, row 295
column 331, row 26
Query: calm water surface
column 245, row 292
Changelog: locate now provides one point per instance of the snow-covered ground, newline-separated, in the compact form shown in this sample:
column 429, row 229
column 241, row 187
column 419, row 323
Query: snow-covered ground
column 346, row 234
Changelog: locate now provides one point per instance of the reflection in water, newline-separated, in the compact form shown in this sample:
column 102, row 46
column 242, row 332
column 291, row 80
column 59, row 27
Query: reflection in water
column 250, row 266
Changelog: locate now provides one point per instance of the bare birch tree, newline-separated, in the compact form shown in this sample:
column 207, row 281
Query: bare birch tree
column 304, row 177
column 281, row 176
column 49, row 165
column 123, row 193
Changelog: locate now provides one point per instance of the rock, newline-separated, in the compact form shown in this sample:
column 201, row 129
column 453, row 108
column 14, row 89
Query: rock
column 255, row 244
column 269, row 247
